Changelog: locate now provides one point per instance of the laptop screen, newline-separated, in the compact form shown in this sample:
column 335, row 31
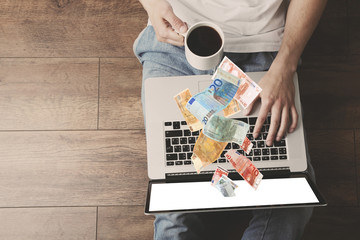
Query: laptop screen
column 201, row 196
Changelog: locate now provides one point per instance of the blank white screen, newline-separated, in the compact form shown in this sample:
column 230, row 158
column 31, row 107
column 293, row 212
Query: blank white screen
column 201, row 195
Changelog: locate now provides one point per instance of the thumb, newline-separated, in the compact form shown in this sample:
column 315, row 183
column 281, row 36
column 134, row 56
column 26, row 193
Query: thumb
column 176, row 22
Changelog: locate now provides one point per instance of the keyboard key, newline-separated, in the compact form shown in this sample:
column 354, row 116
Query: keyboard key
column 235, row 146
column 274, row 157
column 265, row 158
column 281, row 143
column 183, row 123
column 282, row 150
column 168, row 123
column 174, row 133
column 183, row 140
column 191, row 140
column 250, row 158
column 241, row 151
column 182, row 156
column 265, row 151
column 274, row 151
column 257, row 152
column 196, row 133
column 222, row 160
column 178, row 163
column 250, row 136
column 175, row 141
column 252, row 120
column 260, row 144
column 192, row 147
column 259, row 137
column 187, row 162
column 187, row 132
column 177, row 148
column 223, row 154
column 170, row 163
column 169, row 149
column 264, row 135
column 176, row 125
column 256, row 158
column 189, row 156
column 186, row 148
column 251, row 129
column 283, row 157
column 228, row 146
column 254, row 144
column 268, row 120
column 168, row 142
column 171, row 156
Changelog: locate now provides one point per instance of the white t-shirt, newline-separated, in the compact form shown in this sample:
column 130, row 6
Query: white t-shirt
column 248, row 25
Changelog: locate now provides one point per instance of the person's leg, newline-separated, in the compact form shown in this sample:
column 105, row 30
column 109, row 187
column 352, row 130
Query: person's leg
column 164, row 60
column 287, row 223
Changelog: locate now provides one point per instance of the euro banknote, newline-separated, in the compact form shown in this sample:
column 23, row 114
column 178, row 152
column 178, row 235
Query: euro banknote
column 232, row 108
column 206, row 151
column 217, row 175
column 223, row 129
column 248, row 89
column 181, row 99
column 215, row 98
column 226, row 186
column 245, row 168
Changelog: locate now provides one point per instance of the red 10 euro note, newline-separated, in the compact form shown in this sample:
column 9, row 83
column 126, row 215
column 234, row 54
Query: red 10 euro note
column 245, row 168
column 248, row 89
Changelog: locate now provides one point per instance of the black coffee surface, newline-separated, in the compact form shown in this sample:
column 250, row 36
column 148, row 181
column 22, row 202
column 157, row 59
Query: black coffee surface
column 204, row 41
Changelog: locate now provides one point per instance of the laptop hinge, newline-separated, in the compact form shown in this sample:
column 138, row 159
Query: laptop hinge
column 207, row 175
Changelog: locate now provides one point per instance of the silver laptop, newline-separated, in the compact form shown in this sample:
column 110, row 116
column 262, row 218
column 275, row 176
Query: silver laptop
column 170, row 144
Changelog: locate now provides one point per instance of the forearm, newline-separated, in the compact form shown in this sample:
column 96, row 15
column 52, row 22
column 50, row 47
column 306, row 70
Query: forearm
column 301, row 21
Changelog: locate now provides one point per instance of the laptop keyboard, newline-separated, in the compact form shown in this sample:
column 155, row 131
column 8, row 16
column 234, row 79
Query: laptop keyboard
column 180, row 142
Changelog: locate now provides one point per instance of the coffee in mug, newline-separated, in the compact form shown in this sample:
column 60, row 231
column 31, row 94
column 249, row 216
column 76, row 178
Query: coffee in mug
column 204, row 44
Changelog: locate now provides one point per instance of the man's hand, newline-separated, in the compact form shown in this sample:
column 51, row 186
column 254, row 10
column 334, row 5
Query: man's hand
column 277, row 96
column 166, row 24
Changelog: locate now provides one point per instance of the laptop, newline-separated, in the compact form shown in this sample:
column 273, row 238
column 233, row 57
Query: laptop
column 174, row 184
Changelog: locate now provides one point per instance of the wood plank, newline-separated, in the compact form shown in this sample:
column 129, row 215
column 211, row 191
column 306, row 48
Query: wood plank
column 333, row 157
column 120, row 94
column 330, row 37
column 353, row 8
column 329, row 91
column 48, row 223
column 354, row 34
column 43, row 93
column 357, row 152
column 74, row 168
column 124, row 222
column 83, row 28
column 333, row 223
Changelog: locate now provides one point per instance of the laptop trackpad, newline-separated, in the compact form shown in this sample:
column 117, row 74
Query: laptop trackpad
column 201, row 196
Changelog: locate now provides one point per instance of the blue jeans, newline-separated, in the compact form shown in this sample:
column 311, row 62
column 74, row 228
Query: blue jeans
column 161, row 60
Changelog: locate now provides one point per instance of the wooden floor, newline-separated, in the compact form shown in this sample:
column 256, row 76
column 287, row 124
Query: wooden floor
column 72, row 143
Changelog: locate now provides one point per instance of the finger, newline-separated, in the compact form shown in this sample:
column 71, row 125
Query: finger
column 175, row 22
column 283, row 124
column 274, row 124
column 294, row 119
column 264, row 110
column 167, row 34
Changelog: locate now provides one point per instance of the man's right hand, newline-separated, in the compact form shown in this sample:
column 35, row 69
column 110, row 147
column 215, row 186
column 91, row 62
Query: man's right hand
column 166, row 24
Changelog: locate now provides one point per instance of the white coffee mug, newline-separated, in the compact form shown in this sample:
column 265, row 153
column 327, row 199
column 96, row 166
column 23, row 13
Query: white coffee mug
column 205, row 60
